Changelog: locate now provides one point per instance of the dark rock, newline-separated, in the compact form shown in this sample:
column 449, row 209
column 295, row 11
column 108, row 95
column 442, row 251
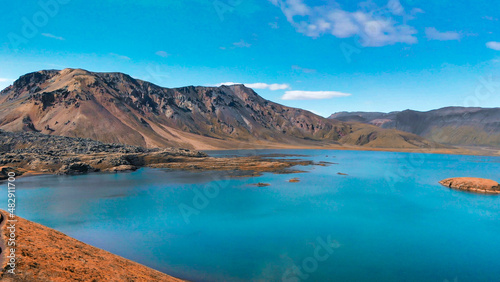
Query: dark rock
column 76, row 168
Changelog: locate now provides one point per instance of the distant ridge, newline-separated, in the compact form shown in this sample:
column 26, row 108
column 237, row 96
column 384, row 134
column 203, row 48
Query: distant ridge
column 450, row 125
column 116, row 108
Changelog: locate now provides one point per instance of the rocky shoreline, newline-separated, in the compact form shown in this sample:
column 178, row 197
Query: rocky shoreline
column 28, row 153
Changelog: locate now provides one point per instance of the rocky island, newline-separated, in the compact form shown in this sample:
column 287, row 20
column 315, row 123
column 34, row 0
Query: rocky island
column 471, row 184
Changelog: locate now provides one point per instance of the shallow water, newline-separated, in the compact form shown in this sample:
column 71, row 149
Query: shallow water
column 388, row 220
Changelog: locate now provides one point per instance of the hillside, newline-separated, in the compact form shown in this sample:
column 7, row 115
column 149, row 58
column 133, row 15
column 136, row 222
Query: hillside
column 451, row 125
column 49, row 255
column 116, row 108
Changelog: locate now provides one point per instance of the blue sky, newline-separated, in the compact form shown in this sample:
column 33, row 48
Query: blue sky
column 324, row 56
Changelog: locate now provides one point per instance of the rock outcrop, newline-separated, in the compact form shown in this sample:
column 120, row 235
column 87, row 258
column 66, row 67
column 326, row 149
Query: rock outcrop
column 36, row 153
column 470, row 184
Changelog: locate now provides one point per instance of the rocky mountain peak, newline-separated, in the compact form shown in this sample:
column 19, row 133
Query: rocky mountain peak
column 116, row 108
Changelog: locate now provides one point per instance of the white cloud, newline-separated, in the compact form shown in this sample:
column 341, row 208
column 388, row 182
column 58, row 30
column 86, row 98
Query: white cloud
column 291, row 94
column 259, row 85
column 375, row 26
column 273, row 87
column 5, row 79
column 433, row 34
column 242, row 44
column 53, row 36
column 227, row 84
column 162, row 54
column 395, row 7
column 312, row 95
column 493, row 45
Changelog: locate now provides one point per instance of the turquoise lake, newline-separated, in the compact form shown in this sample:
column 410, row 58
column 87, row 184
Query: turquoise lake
column 388, row 220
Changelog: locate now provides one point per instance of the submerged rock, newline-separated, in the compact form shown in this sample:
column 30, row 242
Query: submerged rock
column 260, row 184
column 294, row 180
column 471, row 184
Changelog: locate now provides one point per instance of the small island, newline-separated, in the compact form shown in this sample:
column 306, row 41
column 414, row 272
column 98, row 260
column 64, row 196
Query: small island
column 471, row 184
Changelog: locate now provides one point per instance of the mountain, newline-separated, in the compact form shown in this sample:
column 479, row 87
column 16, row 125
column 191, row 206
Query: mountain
column 116, row 108
column 451, row 125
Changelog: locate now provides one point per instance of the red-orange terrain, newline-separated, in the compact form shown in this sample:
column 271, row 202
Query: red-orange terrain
column 44, row 254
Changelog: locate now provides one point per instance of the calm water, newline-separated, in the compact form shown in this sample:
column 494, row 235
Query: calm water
column 388, row 220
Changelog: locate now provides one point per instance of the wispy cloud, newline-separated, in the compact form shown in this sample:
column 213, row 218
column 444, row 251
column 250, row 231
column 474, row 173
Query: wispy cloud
column 242, row 44
column 304, row 70
column 274, row 25
column 312, row 95
column 4, row 82
column 374, row 25
column 121, row 57
column 162, row 54
column 260, row 85
column 433, row 34
column 489, row 18
column 53, row 36
column 493, row 45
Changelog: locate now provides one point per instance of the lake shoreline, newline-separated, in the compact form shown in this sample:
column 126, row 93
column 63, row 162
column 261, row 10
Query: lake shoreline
column 246, row 166
column 465, row 151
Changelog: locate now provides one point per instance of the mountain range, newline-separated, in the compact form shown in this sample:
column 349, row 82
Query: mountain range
column 116, row 108
column 450, row 125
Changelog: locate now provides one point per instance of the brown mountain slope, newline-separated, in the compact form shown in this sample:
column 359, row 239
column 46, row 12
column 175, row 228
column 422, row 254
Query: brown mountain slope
column 44, row 254
column 374, row 137
column 114, row 107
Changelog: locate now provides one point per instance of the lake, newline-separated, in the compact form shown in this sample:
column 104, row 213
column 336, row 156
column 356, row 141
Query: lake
column 387, row 220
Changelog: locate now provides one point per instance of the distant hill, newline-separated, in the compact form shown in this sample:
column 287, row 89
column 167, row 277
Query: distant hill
column 451, row 125
column 116, row 108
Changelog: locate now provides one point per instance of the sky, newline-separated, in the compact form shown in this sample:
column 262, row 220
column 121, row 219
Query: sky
column 324, row 56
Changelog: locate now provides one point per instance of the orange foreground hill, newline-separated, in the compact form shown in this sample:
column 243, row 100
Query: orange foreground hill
column 45, row 254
